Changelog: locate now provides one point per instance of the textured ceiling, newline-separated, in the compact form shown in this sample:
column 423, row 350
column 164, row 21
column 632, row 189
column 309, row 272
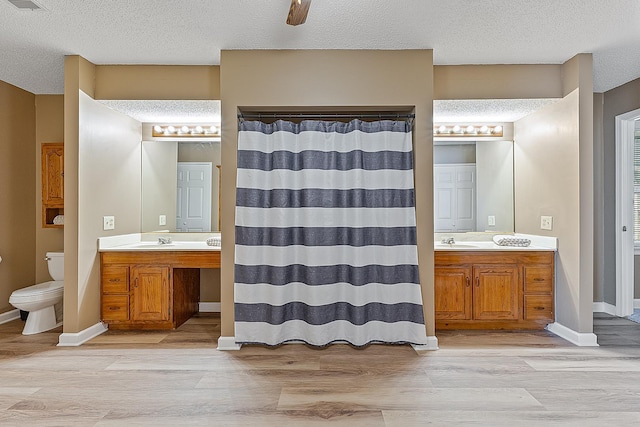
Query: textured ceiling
column 486, row 110
column 33, row 44
column 462, row 111
column 188, row 112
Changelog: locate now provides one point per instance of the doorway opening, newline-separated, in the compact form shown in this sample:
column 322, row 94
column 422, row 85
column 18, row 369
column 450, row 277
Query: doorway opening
column 625, row 134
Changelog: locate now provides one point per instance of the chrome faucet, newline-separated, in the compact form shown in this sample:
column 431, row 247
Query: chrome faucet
column 448, row 241
column 164, row 240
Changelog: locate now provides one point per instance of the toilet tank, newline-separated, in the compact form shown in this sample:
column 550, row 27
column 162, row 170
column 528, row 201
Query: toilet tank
column 55, row 260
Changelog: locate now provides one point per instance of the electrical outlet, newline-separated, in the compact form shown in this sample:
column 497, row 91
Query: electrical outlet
column 108, row 222
column 491, row 220
column 546, row 222
column 162, row 220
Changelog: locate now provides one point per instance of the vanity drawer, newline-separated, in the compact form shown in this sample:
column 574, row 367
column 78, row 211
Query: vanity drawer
column 538, row 307
column 538, row 279
column 115, row 307
column 115, row 279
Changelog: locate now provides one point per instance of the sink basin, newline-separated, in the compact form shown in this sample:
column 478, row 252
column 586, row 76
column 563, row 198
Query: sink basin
column 455, row 246
column 151, row 245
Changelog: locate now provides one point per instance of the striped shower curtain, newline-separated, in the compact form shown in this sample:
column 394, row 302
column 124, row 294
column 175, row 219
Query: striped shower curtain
column 326, row 234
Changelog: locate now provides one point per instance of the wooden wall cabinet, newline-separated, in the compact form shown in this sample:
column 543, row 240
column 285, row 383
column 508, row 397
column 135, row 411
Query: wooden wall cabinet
column 52, row 183
column 493, row 290
column 147, row 290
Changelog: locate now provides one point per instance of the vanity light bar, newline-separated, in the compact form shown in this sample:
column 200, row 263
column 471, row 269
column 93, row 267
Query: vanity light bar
column 186, row 131
column 467, row 130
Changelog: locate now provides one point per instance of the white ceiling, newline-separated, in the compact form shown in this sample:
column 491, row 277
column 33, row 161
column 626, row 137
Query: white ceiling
column 33, row 44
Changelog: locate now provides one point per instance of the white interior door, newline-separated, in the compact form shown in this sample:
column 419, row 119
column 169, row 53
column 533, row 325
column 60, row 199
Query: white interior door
column 193, row 204
column 454, row 198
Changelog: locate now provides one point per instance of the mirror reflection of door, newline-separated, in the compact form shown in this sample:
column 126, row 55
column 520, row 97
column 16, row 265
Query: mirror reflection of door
column 193, row 204
column 455, row 197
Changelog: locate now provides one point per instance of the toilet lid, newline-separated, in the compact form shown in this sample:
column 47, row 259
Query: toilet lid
column 41, row 289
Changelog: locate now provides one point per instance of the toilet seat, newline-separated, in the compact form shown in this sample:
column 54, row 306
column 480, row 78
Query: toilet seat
column 39, row 292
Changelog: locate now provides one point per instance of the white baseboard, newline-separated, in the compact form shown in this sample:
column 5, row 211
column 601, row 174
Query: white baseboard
column 578, row 338
column 636, row 303
column 9, row 316
column 209, row 307
column 228, row 343
column 604, row 307
column 74, row 339
column 432, row 344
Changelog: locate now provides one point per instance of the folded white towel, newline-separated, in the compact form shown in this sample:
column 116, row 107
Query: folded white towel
column 214, row 241
column 58, row 220
column 506, row 240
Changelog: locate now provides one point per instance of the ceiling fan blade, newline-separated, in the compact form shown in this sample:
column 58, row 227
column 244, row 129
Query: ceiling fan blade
column 298, row 12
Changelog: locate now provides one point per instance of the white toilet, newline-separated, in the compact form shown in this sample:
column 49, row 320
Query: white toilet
column 44, row 300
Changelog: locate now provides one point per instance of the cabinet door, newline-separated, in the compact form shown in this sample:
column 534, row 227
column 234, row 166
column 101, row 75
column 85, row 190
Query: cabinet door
column 150, row 293
column 53, row 174
column 453, row 292
column 495, row 295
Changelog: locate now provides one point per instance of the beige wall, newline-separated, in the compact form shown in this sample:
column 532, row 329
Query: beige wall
column 554, row 166
column 159, row 177
column 497, row 81
column 109, row 162
column 494, row 178
column 17, row 189
column 334, row 79
column 79, row 75
column 49, row 128
column 547, row 183
column 157, row 82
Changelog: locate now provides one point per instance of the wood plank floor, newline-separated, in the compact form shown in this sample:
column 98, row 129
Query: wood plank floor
column 179, row 378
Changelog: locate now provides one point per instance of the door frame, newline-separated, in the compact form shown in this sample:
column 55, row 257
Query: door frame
column 625, row 133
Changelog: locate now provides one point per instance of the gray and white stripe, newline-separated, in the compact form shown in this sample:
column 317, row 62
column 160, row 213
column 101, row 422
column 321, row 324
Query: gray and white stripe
column 325, row 234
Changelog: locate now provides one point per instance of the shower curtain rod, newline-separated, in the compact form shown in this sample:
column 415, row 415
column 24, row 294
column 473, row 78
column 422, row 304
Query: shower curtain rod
column 388, row 116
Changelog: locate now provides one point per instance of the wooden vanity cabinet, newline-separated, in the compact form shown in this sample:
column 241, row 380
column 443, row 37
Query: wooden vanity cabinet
column 142, row 290
column 493, row 290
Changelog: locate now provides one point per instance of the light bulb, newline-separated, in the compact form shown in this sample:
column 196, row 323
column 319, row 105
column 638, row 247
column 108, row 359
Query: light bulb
column 157, row 129
column 456, row 129
column 213, row 129
column 470, row 129
column 184, row 129
column 198, row 129
column 442, row 129
column 497, row 129
column 484, row 129
column 171, row 129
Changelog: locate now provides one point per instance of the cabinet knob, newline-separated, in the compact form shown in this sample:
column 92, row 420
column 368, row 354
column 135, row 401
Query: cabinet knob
column 468, row 282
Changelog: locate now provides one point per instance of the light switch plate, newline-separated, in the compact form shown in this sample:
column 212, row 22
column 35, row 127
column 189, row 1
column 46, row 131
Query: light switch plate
column 546, row 222
column 162, row 220
column 108, row 222
column 492, row 220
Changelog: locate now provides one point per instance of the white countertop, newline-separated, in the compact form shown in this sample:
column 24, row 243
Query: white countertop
column 538, row 243
column 486, row 246
column 149, row 242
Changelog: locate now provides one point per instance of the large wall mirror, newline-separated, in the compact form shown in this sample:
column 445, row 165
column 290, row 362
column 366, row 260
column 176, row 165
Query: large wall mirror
column 473, row 186
column 180, row 173
column 473, row 171
column 180, row 186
